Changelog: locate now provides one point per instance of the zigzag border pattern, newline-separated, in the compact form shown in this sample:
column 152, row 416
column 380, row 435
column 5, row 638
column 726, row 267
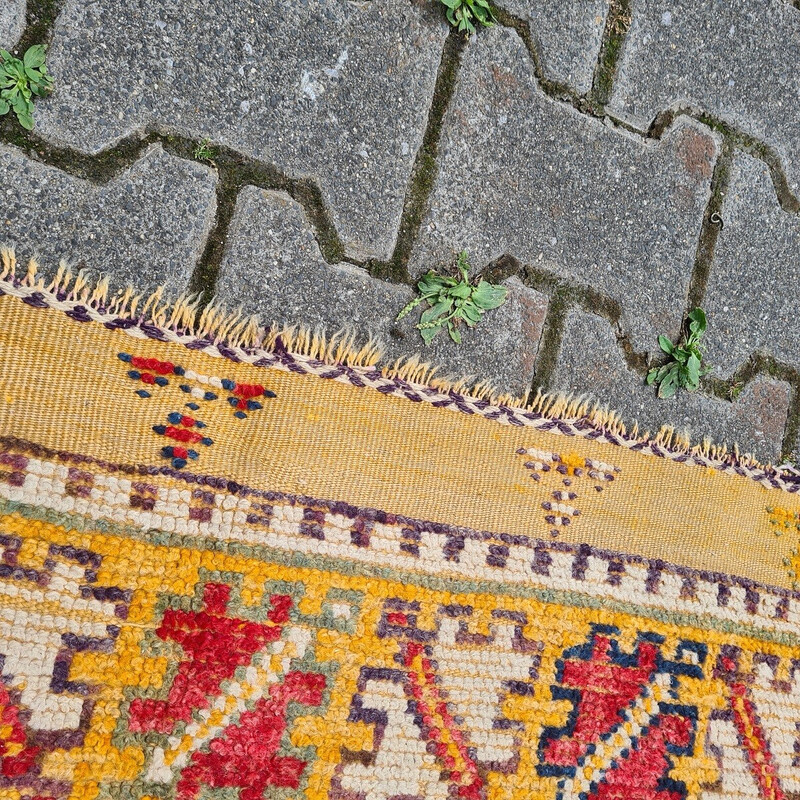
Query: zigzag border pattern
column 227, row 511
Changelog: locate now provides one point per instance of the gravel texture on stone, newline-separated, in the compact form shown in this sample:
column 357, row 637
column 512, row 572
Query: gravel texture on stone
column 568, row 34
column 335, row 91
column 733, row 58
column 753, row 291
column 146, row 226
column 591, row 363
column 565, row 193
column 273, row 267
column 12, row 21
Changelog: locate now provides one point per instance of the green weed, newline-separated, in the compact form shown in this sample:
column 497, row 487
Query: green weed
column 684, row 369
column 204, row 152
column 464, row 14
column 452, row 300
column 21, row 80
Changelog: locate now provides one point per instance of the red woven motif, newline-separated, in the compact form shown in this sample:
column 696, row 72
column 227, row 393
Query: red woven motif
column 214, row 645
column 246, row 754
column 16, row 758
column 618, row 741
column 181, row 427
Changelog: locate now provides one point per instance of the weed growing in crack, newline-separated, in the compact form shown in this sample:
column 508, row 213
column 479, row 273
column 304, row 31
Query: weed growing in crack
column 684, row 368
column 21, row 80
column 204, row 152
column 452, row 300
column 464, row 14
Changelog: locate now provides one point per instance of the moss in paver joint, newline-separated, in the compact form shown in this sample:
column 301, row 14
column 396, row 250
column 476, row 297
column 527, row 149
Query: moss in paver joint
column 767, row 365
column 204, row 277
column 563, row 297
column 40, row 17
column 424, row 171
column 98, row 169
column 762, row 364
column 550, row 342
column 310, row 197
column 618, row 21
column 711, row 227
column 236, row 171
column 735, row 138
column 553, row 89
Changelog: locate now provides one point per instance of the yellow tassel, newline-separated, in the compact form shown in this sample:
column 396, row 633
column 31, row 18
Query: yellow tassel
column 237, row 329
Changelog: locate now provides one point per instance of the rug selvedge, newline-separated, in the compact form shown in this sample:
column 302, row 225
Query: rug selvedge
column 171, row 628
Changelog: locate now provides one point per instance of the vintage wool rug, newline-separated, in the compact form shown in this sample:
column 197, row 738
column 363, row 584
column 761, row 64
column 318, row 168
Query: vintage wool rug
column 241, row 567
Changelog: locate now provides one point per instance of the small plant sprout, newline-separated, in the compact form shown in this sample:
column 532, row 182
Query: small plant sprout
column 684, row 369
column 21, row 80
column 452, row 300
column 463, row 14
column 735, row 389
column 204, row 151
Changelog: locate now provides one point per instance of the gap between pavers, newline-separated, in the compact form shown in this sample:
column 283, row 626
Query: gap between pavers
column 273, row 267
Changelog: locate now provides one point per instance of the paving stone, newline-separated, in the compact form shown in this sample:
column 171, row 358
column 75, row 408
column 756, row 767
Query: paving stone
column 753, row 288
column 273, row 267
column 338, row 91
column 523, row 175
column 591, row 363
column 146, row 226
column 568, row 34
column 12, row 21
column 733, row 58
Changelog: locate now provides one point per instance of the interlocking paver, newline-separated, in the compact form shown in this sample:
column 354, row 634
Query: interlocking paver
column 146, row 226
column 733, row 58
column 568, row 34
column 527, row 176
column 12, row 20
column 273, row 267
column 337, row 91
column 754, row 284
column 591, row 364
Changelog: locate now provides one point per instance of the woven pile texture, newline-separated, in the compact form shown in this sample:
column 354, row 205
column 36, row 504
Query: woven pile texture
column 236, row 567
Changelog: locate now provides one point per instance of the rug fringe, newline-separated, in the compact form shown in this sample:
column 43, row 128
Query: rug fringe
column 234, row 328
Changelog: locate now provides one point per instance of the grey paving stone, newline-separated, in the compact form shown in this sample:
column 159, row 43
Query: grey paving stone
column 591, row 363
column 734, row 58
column 753, row 289
column 568, row 34
column 147, row 226
column 338, row 91
column 12, row 21
column 273, row 267
column 523, row 175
